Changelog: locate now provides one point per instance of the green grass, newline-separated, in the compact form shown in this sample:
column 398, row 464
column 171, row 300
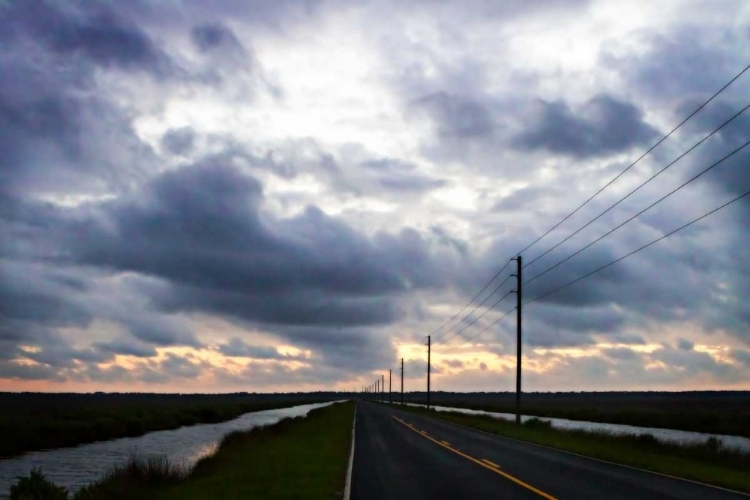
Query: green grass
column 296, row 458
column 708, row 462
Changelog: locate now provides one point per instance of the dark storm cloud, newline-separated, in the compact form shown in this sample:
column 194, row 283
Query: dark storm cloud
column 199, row 240
column 685, row 345
column 208, row 37
column 179, row 141
column 201, row 227
column 95, row 31
column 274, row 373
column 199, row 231
column 31, row 301
column 58, row 132
column 681, row 62
column 17, row 371
column 603, row 125
column 126, row 347
column 105, row 39
column 182, row 367
column 289, row 306
column 237, row 347
column 457, row 116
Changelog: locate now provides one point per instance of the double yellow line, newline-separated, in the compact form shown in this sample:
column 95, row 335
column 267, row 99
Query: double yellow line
column 484, row 463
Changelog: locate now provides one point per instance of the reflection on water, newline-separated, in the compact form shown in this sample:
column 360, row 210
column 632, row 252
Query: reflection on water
column 81, row 465
column 664, row 435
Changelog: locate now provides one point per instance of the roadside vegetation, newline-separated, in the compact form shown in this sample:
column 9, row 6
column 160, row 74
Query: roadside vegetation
column 31, row 421
column 304, row 457
column 711, row 412
column 709, row 462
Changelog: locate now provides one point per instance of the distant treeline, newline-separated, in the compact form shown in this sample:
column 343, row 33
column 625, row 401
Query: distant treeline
column 34, row 421
column 712, row 412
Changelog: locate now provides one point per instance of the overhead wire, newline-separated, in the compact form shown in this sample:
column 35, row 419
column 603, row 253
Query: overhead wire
column 469, row 303
column 734, row 200
column 639, row 187
column 637, row 160
column 678, row 188
column 477, row 318
column 588, row 200
column 486, row 328
column 498, row 287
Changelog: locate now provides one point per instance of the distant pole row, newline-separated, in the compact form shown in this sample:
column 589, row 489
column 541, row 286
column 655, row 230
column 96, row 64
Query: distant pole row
column 519, row 342
column 376, row 390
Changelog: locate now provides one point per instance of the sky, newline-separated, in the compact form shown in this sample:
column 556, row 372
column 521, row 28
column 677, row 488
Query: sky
column 291, row 195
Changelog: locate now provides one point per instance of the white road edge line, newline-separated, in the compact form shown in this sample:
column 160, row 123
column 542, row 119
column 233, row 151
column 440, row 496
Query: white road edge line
column 600, row 460
column 348, row 486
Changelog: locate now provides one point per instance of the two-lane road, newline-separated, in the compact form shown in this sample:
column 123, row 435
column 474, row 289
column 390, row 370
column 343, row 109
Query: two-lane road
column 402, row 455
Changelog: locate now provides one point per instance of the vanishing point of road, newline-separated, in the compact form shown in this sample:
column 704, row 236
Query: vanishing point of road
column 401, row 455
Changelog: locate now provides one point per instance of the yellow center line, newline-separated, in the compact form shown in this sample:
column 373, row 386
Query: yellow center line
column 491, row 463
column 483, row 464
column 445, row 443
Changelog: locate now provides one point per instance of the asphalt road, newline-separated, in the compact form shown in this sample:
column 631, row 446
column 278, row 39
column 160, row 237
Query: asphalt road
column 401, row 455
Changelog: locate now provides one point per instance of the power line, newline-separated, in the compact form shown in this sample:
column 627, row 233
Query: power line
column 478, row 317
column 498, row 287
column 591, row 198
column 639, row 187
column 486, row 328
column 469, row 303
column 641, row 212
column 636, row 161
column 639, row 249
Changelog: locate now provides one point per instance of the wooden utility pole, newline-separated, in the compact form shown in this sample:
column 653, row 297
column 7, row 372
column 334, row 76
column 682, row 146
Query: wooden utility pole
column 428, row 372
column 519, row 331
column 390, row 386
column 402, row 380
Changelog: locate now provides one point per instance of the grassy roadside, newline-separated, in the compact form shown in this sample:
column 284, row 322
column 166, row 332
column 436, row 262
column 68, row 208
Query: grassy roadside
column 296, row 458
column 708, row 463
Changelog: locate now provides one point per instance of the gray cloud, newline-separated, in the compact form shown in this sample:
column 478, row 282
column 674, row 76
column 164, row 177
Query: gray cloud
column 454, row 363
column 110, row 220
column 456, row 116
column 209, row 37
column 179, row 141
column 96, row 32
column 236, row 347
column 603, row 125
column 126, row 348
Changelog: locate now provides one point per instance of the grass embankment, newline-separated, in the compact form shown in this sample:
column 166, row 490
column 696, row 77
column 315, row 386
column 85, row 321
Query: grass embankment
column 708, row 463
column 42, row 421
column 296, row 458
column 711, row 412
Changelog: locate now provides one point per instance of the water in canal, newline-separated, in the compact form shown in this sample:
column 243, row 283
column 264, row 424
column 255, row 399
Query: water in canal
column 84, row 464
column 664, row 435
